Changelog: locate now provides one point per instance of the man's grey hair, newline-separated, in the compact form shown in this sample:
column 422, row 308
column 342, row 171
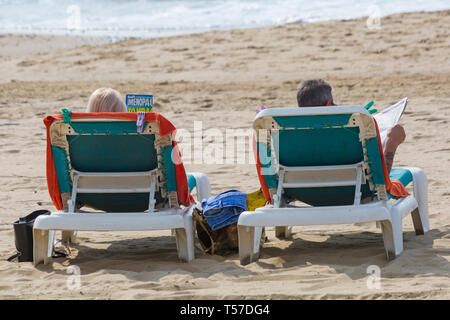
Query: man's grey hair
column 314, row 93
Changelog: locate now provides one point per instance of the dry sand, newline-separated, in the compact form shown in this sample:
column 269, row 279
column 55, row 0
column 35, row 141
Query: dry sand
column 220, row 78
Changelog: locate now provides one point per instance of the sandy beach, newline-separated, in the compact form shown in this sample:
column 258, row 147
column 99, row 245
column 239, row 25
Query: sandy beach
column 220, row 78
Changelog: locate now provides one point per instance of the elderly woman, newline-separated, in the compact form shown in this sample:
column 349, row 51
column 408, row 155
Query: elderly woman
column 106, row 100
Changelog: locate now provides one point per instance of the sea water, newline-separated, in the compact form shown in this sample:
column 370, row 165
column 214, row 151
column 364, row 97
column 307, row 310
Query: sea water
column 153, row 18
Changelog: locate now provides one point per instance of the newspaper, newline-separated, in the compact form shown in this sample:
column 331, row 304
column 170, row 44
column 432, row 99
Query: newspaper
column 389, row 117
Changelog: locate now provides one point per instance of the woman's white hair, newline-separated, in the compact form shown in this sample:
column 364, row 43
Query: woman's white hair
column 106, row 100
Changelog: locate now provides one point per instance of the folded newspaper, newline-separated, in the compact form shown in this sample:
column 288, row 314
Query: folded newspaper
column 389, row 117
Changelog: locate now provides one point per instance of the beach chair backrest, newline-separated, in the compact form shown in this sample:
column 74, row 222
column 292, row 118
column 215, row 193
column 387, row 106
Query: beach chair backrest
column 322, row 155
column 112, row 166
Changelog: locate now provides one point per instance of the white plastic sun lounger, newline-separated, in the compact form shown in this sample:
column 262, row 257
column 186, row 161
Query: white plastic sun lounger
column 329, row 158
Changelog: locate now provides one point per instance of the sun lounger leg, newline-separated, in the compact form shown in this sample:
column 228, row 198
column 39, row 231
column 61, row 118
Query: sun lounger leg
column 283, row 232
column 420, row 215
column 392, row 236
column 68, row 236
column 248, row 247
column 51, row 242
column 40, row 246
column 258, row 233
column 185, row 239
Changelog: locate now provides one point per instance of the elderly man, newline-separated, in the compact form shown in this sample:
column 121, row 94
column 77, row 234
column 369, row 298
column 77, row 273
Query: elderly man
column 317, row 92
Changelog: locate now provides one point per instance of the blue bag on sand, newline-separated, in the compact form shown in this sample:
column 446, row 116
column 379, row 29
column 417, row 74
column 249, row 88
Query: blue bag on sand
column 224, row 209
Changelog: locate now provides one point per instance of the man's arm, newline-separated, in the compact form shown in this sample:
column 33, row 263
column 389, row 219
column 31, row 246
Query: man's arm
column 395, row 137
